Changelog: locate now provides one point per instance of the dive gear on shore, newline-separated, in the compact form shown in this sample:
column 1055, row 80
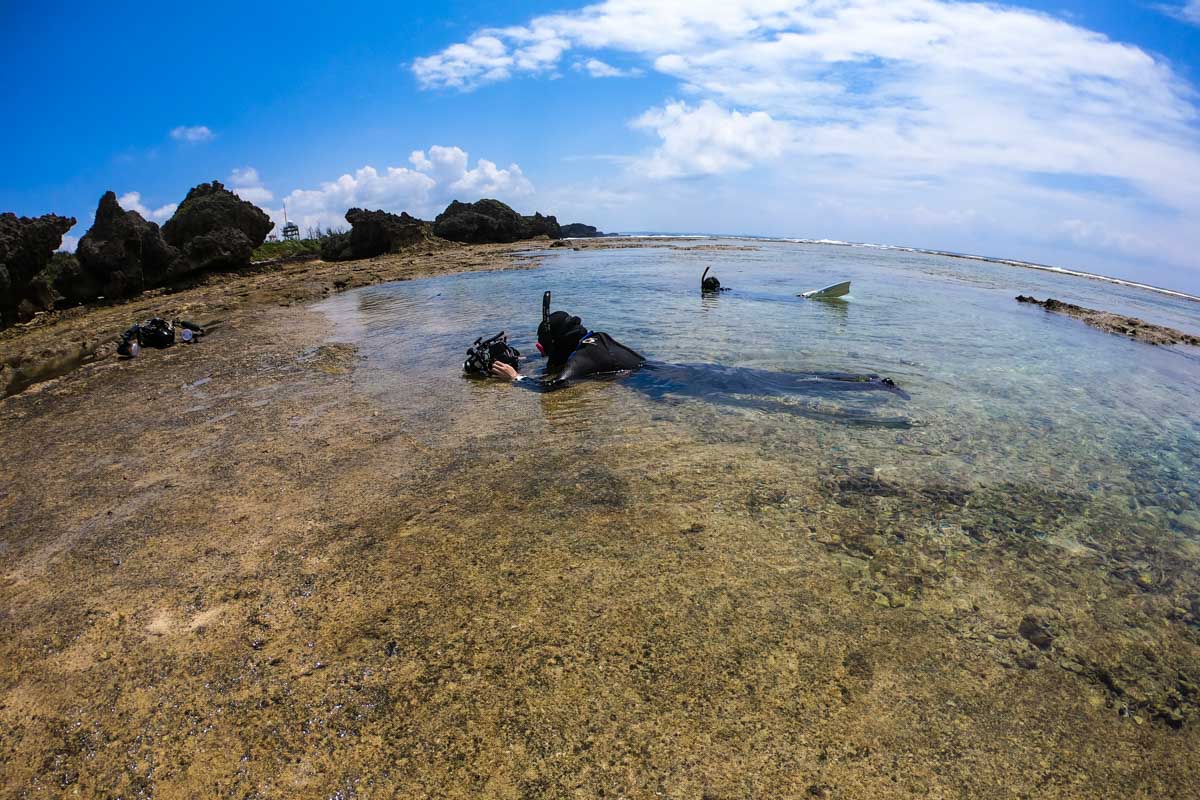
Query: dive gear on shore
column 156, row 332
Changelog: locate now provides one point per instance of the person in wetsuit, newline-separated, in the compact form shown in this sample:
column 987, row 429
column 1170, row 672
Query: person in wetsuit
column 572, row 352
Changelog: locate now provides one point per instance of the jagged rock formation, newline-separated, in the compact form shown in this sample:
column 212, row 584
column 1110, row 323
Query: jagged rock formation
column 577, row 230
column 123, row 254
column 216, row 229
column 120, row 255
column 374, row 233
column 210, row 207
column 491, row 221
column 1134, row 328
column 26, row 247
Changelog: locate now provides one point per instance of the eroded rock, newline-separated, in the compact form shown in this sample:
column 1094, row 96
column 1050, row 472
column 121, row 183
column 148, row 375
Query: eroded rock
column 211, row 207
column 577, row 230
column 26, row 247
column 120, row 255
column 374, row 233
column 490, row 220
column 1134, row 328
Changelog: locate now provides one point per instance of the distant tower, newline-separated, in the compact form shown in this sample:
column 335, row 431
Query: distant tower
column 291, row 230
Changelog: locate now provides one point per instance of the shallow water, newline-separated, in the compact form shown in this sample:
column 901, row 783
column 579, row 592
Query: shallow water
column 1031, row 462
column 999, row 391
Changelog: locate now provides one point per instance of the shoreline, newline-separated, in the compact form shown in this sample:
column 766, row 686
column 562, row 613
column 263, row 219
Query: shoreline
column 924, row 251
column 56, row 343
column 231, row 569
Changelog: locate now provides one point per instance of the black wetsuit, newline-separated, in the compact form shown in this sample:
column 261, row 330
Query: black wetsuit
column 596, row 354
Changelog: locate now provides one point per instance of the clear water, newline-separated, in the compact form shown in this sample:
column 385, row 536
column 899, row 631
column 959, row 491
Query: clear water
column 1035, row 460
column 999, row 390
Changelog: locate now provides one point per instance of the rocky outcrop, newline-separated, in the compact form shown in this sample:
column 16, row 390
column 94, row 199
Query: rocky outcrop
column 491, row 221
column 373, row 233
column 1134, row 328
column 221, row 250
column 209, row 208
column 120, row 255
column 577, row 230
column 26, row 247
column 123, row 254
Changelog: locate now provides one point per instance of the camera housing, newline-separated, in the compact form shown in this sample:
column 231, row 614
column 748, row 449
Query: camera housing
column 485, row 352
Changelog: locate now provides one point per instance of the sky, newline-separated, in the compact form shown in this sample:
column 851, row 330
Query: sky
column 1065, row 133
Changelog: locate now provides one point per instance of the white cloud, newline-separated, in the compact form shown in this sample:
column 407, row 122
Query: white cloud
column 992, row 107
column 248, row 186
column 708, row 140
column 191, row 133
column 599, row 69
column 437, row 176
column 245, row 176
column 69, row 243
column 132, row 201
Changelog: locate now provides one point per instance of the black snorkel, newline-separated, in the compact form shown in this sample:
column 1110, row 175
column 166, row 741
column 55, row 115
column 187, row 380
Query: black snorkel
column 559, row 334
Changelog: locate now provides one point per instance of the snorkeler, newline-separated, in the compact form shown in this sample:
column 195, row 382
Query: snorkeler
column 571, row 351
column 709, row 283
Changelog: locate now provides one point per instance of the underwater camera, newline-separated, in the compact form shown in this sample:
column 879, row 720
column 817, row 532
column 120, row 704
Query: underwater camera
column 484, row 352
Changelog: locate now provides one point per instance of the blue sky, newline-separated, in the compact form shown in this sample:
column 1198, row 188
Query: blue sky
column 1064, row 133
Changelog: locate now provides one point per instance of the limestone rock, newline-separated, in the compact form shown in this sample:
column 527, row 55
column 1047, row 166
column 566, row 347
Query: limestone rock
column 120, row 255
column 374, row 233
column 577, row 230
column 491, row 221
column 210, row 207
column 26, row 246
column 224, row 249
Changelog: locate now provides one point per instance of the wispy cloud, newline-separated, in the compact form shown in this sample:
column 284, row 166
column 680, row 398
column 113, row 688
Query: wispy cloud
column 599, row 69
column 192, row 134
column 1188, row 12
column 892, row 100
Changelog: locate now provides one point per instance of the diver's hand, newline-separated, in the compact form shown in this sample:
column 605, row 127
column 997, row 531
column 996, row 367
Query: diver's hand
column 502, row 370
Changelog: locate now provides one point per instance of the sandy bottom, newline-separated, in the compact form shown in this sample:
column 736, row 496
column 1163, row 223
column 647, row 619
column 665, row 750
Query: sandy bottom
column 228, row 572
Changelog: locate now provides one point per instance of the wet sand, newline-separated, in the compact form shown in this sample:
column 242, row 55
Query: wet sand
column 229, row 572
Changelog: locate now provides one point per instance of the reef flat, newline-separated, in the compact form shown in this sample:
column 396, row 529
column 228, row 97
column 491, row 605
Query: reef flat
column 240, row 569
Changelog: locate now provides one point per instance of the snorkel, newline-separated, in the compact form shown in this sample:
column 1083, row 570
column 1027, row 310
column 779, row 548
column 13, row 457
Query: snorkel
column 559, row 334
column 545, row 320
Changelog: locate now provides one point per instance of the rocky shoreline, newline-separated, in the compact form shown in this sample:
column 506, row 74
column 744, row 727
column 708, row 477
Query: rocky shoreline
column 231, row 570
column 213, row 230
column 57, row 342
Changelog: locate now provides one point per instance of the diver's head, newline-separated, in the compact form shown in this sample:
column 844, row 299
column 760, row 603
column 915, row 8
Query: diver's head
column 558, row 336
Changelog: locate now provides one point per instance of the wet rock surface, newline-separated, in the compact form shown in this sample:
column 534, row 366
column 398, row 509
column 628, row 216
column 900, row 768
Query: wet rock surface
column 491, row 221
column 26, row 247
column 1134, row 328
